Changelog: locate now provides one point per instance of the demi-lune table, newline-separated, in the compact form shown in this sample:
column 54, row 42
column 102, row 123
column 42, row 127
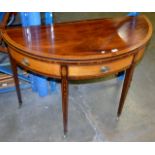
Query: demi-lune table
column 79, row 50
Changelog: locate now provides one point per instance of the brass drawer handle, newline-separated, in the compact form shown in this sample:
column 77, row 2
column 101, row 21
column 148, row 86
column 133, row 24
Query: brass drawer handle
column 104, row 69
column 25, row 62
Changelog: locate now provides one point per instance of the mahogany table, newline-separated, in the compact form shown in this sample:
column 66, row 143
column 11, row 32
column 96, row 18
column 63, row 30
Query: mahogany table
column 79, row 51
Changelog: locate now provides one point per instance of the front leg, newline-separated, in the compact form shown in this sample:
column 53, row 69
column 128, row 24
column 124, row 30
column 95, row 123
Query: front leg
column 16, row 80
column 64, row 90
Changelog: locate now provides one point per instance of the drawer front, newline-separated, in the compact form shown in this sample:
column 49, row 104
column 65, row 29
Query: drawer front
column 36, row 65
column 74, row 71
column 101, row 69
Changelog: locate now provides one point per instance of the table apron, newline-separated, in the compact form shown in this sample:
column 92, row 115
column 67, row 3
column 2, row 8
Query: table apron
column 75, row 72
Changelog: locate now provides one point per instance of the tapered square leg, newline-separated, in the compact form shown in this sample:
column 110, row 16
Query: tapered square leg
column 64, row 89
column 16, row 80
column 126, row 85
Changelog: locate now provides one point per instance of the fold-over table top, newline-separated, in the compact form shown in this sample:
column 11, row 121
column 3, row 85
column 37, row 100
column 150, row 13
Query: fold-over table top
column 81, row 40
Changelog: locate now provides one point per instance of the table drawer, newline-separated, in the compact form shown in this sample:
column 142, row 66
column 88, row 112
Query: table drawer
column 75, row 71
column 36, row 65
column 101, row 69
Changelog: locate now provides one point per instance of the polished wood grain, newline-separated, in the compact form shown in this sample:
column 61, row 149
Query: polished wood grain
column 80, row 50
column 83, row 40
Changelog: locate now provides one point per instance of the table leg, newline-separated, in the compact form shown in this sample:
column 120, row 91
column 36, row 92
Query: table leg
column 64, row 90
column 16, row 80
column 126, row 85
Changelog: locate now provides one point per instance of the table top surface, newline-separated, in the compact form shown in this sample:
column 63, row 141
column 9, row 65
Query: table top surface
column 81, row 40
